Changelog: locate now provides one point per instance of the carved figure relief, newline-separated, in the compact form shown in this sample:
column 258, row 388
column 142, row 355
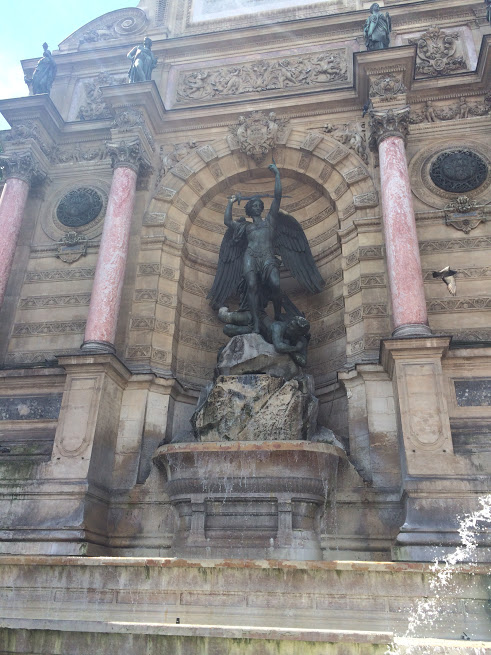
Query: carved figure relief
column 94, row 106
column 458, row 171
column 437, row 53
column 258, row 134
column 461, row 109
column 170, row 156
column 387, row 86
column 263, row 75
column 352, row 135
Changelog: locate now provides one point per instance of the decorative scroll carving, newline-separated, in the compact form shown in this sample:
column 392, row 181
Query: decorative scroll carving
column 56, row 327
column 436, row 53
column 393, row 122
column 23, row 166
column 108, row 27
column 387, row 86
column 257, row 134
column 263, row 75
column 458, row 170
column 352, row 135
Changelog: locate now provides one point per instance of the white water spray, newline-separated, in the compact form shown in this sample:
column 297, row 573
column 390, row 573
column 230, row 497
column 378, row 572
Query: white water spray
column 427, row 611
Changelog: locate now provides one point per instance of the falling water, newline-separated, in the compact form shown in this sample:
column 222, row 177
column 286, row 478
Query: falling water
column 427, row 611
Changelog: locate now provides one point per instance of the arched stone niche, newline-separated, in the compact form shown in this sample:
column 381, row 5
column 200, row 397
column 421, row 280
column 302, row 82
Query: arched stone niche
column 324, row 186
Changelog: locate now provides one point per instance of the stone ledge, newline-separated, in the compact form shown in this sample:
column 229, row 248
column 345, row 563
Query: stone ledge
column 290, row 565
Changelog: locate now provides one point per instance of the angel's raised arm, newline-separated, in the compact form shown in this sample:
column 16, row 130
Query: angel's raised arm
column 278, row 190
column 228, row 220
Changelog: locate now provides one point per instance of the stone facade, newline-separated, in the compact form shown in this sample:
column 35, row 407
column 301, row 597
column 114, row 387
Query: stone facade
column 111, row 221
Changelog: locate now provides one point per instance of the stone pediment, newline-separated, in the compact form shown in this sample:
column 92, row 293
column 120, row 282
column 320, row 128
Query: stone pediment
column 113, row 25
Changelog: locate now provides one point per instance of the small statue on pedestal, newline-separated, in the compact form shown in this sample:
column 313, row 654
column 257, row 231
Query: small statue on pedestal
column 143, row 62
column 44, row 73
column 377, row 29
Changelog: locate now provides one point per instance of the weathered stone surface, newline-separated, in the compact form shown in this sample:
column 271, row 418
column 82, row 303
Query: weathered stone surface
column 250, row 353
column 256, row 408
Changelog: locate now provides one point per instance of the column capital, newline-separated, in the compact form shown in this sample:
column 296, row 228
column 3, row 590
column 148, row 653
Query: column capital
column 129, row 154
column 386, row 123
column 22, row 165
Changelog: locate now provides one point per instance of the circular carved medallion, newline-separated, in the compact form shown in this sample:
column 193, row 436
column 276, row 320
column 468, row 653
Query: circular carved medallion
column 79, row 207
column 458, row 171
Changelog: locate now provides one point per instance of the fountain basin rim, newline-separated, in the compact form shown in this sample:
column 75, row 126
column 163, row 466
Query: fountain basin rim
column 250, row 446
column 225, row 563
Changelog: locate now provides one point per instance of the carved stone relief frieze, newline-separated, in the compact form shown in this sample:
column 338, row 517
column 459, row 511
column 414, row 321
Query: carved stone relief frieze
column 429, row 112
column 264, row 75
column 438, row 53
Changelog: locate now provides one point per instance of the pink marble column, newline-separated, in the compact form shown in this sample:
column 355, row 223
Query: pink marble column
column 19, row 171
column 401, row 240
column 105, row 301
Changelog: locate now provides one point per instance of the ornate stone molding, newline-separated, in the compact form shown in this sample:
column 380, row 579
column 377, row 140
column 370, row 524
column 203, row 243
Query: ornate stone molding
column 128, row 154
column 22, row 165
column 383, row 124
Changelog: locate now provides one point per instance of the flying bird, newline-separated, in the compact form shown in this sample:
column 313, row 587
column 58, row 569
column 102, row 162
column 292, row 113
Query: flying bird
column 447, row 275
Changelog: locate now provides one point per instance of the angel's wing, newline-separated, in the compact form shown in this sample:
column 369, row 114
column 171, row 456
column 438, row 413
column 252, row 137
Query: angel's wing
column 293, row 247
column 230, row 265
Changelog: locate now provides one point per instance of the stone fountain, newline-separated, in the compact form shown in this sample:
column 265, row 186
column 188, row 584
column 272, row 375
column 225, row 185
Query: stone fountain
column 253, row 478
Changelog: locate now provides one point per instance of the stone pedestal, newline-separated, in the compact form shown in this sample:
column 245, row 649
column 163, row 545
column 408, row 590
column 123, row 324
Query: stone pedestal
column 65, row 510
column 439, row 486
column 251, row 500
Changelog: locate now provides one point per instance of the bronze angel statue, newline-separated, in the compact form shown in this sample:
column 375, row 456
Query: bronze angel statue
column 248, row 263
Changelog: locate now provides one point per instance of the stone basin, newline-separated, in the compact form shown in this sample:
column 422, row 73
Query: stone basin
column 249, row 499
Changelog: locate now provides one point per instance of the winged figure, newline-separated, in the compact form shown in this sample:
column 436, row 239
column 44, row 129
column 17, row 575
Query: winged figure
column 248, row 259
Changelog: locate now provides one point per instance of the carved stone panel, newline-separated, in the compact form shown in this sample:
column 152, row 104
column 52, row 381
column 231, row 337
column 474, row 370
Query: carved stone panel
column 262, row 76
column 438, row 53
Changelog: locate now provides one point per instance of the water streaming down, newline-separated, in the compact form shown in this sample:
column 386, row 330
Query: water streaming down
column 428, row 610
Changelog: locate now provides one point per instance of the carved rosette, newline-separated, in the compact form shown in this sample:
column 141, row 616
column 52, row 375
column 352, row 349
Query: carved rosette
column 23, row 166
column 129, row 155
column 383, row 124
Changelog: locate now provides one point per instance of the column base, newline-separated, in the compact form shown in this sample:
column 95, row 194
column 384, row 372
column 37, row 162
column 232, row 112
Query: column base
column 98, row 347
column 411, row 330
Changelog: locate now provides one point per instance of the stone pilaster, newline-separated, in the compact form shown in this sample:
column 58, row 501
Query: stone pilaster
column 21, row 170
column 388, row 133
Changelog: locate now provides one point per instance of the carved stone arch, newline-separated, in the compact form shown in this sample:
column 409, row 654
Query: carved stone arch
column 114, row 25
column 192, row 199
